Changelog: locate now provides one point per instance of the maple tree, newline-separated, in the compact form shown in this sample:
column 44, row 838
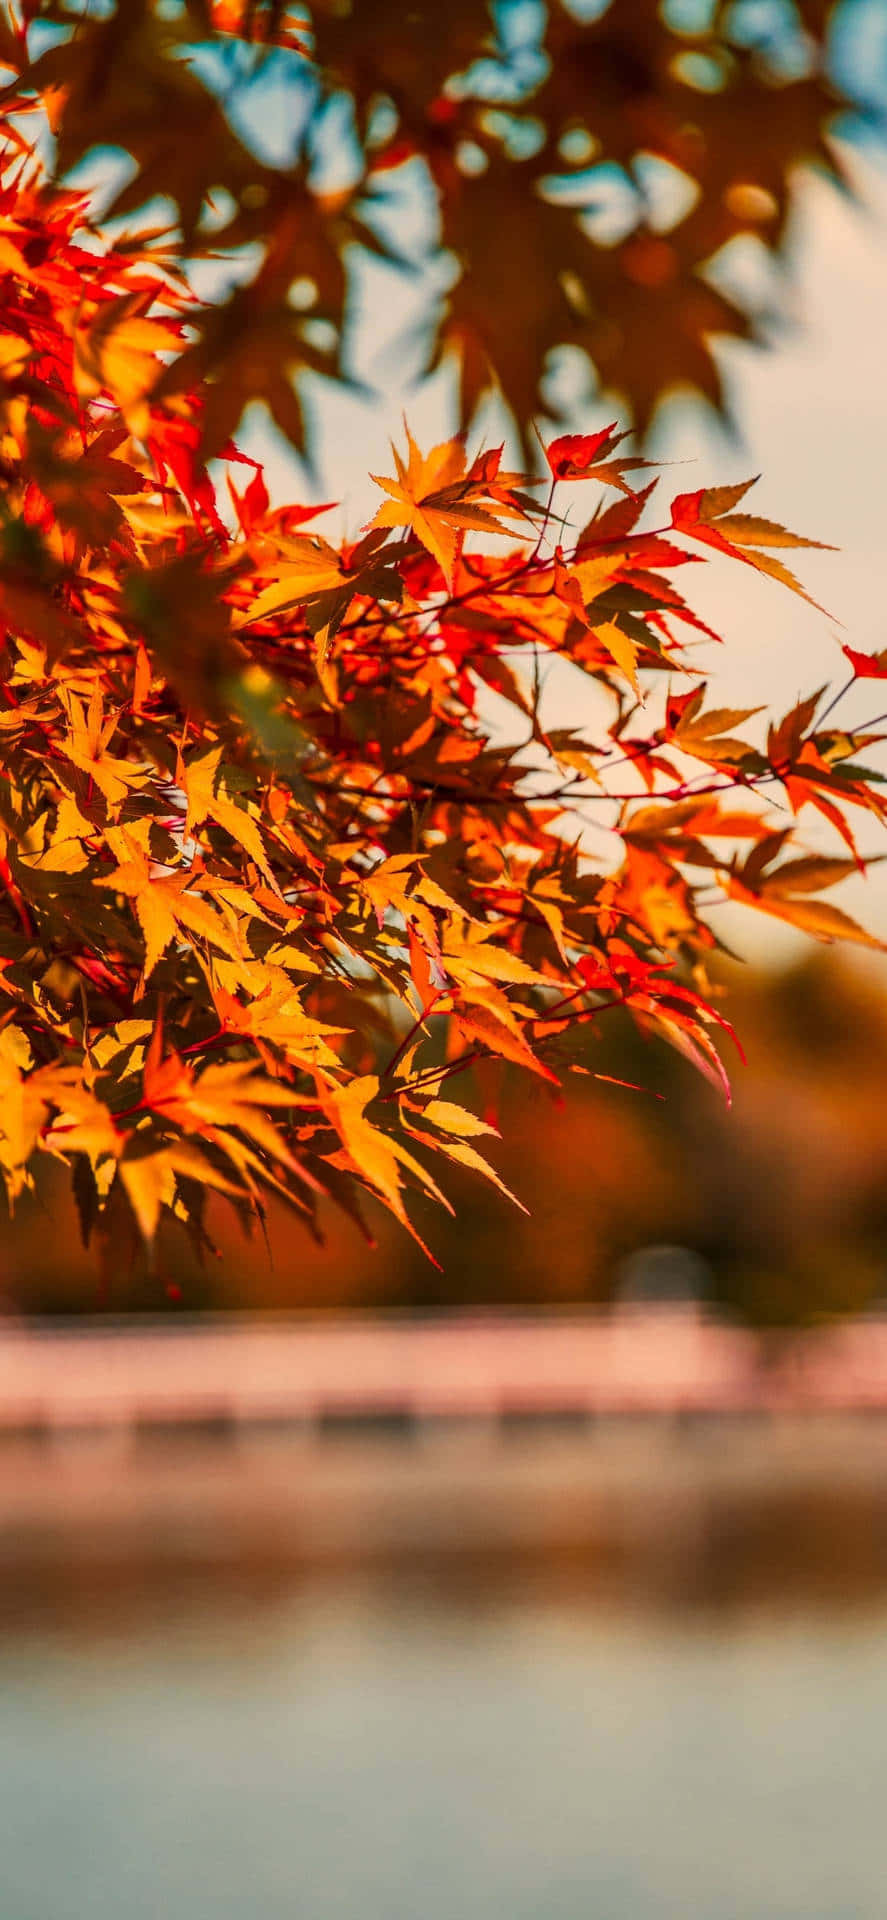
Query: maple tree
column 271, row 882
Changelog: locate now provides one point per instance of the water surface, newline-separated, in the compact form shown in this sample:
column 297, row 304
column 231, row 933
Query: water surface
column 416, row 1725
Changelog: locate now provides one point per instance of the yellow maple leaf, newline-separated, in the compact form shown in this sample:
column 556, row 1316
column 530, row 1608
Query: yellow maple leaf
column 470, row 951
column 435, row 497
column 149, row 1180
column 578, row 589
column 274, row 1015
column 370, row 1150
column 308, row 567
column 86, row 746
column 165, row 904
column 83, row 1122
column 197, row 779
column 23, row 1110
column 117, row 350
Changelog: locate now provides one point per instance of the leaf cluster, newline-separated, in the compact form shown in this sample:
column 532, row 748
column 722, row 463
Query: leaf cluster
column 270, row 880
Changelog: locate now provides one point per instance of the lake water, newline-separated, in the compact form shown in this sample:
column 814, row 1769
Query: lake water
column 412, row 1720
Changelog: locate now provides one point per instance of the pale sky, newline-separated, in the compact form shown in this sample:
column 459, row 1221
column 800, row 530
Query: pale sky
column 812, row 412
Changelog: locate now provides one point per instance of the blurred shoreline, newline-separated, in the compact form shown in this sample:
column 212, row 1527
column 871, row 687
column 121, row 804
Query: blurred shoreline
column 646, row 1460
column 775, row 1516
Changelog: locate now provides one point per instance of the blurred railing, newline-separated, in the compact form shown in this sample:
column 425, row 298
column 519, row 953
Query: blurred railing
column 243, row 1371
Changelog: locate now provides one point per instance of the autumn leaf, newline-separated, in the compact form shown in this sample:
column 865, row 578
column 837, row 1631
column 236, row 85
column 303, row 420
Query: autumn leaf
column 706, row 735
column 225, row 1104
column 23, row 1110
column 476, row 1020
column 458, row 1149
column 427, row 971
column 86, row 746
column 591, row 580
column 867, row 666
column 784, row 891
column 576, row 456
column 166, row 906
column 707, row 516
column 149, row 1179
column 439, row 501
column 307, row 567
column 117, row 350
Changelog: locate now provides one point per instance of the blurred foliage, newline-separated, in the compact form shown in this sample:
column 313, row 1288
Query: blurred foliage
column 783, row 1201
column 589, row 176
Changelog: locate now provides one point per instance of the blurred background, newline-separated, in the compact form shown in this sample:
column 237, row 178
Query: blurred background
column 526, row 1623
